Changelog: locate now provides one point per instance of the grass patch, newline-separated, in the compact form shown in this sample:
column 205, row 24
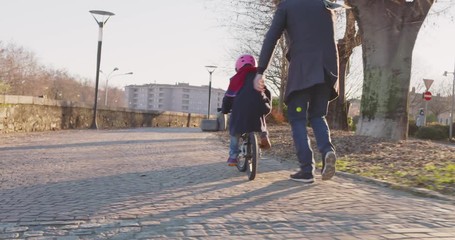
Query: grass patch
column 431, row 176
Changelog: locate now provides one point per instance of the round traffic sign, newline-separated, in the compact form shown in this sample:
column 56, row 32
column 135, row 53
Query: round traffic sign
column 427, row 96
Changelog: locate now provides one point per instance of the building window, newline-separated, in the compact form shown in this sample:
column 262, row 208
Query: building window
column 185, row 96
column 161, row 94
column 184, row 107
column 186, row 90
column 160, row 106
column 185, row 101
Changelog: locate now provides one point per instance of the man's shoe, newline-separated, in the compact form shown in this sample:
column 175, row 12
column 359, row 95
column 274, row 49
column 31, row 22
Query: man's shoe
column 303, row 177
column 232, row 162
column 328, row 165
column 265, row 142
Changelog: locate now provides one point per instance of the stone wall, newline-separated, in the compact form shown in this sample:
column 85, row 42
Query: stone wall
column 29, row 114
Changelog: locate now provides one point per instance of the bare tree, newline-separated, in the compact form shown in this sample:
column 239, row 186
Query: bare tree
column 440, row 103
column 22, row 74
column 250, row 22
column 17, row 67
column 338, row 116
column 116, row 97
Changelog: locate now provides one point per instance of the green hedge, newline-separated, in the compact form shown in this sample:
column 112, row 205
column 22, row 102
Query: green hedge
column 433, row 132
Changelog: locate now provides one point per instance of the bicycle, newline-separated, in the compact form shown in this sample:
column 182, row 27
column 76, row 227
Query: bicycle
column 249, row 154
column 249, row 151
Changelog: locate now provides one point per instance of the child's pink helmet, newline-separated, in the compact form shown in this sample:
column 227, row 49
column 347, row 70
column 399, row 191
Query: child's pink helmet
column 244, row 60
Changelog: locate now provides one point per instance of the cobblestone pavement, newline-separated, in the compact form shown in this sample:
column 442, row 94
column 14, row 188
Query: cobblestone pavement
column 153, row 183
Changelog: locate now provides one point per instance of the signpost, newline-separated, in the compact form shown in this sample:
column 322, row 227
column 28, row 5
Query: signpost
column 427, row 97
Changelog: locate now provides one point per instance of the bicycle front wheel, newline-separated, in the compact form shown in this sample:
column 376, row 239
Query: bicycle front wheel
column 253, row 153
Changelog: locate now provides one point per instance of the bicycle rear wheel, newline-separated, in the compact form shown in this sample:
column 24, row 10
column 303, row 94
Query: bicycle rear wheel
column 253, row 155
column 243, row 155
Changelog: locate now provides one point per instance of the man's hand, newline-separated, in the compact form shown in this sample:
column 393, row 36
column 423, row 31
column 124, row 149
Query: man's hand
column 259, row 84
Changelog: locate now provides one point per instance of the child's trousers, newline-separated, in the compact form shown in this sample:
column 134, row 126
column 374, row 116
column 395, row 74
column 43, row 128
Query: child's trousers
column 234, row 147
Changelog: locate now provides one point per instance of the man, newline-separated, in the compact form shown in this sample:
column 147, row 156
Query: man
column 312, row 77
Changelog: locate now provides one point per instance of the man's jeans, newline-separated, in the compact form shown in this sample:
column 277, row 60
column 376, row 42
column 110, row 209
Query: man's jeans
column 310, row 104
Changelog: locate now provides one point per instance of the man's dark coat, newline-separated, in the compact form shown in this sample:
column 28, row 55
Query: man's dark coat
column 312, row 54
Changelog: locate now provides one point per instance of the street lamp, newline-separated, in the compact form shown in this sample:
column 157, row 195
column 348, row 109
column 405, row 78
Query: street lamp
column 211, row 69
column 451, row 109
column 102, row 15
column 106, row 89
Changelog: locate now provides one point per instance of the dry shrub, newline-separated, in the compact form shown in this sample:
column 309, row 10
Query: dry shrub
column 276, row 117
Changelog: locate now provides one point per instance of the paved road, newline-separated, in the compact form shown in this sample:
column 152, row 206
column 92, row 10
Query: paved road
column 173, row 183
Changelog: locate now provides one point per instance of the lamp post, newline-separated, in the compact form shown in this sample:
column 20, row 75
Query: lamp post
column 452, row 98
column 106, row 89
column 103, row 15
column 211, row 69
column 107, row 80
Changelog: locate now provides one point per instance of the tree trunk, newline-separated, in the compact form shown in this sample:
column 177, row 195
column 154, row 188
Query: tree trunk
column 338, row 109
column 389, row 30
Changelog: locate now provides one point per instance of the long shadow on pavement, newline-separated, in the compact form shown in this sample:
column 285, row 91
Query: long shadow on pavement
column 118, row 194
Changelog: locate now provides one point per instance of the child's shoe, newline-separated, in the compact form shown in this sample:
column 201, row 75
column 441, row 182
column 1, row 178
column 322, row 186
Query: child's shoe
column 232, row 162
column 265, row 142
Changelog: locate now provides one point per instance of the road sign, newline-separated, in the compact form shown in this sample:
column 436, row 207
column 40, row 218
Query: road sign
column 427, row 96
column 428, row 83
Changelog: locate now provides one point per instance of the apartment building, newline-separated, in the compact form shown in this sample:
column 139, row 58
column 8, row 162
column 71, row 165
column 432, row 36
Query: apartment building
column 180, row 97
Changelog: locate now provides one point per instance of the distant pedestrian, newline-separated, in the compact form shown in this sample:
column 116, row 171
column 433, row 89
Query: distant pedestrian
column 249, row 107
column 420, row 119
column 312, row 77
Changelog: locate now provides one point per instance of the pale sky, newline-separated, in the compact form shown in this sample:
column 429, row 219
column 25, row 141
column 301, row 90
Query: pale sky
column 434, row 51
column 159, row 41
column 165, row 41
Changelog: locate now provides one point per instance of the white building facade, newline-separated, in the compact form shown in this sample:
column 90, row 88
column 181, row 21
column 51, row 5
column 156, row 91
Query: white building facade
column 180, row 97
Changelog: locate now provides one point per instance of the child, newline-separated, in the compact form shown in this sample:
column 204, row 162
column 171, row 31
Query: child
column 249, row 107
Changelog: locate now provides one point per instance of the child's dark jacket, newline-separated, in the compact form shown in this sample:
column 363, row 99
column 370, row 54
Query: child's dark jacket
column 249, row 107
